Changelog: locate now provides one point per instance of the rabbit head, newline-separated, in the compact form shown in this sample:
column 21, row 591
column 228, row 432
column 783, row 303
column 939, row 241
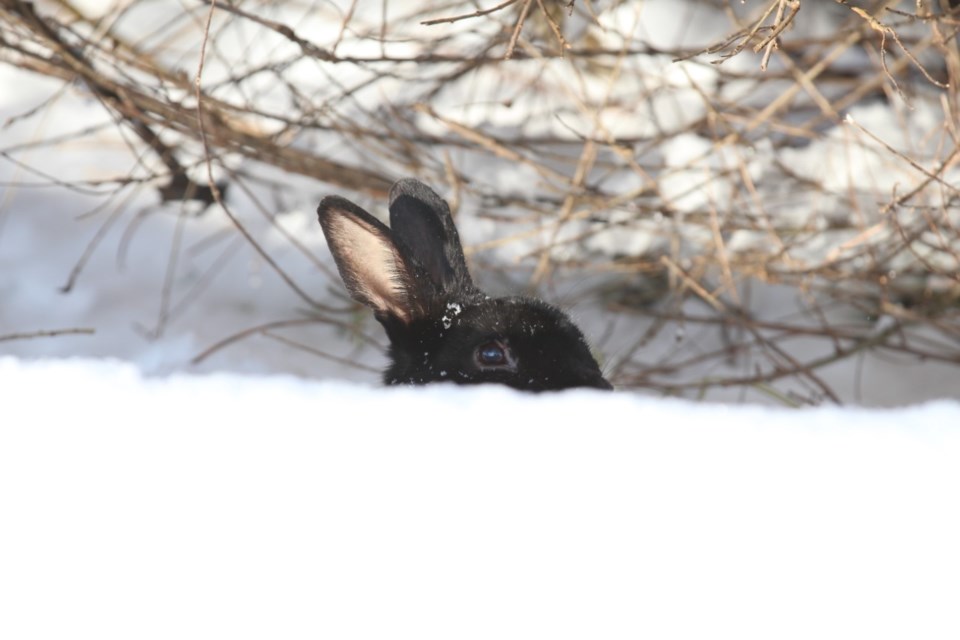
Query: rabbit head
column 440, row 326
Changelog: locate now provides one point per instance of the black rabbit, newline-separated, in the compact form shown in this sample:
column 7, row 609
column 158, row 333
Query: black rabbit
column 441, row 327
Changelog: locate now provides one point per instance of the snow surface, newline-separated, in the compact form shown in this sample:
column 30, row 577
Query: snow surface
column 228, row 506
column 231, row 507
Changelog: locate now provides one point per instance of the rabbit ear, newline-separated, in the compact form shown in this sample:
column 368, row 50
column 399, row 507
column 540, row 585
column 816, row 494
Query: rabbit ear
column 373, row 269
column 424, row 230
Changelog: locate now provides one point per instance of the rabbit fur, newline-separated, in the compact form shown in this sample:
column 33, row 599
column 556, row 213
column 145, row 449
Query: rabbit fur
column 441, row 327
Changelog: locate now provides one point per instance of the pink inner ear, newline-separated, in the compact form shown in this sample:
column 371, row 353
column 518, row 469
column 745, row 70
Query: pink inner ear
column 370, row 265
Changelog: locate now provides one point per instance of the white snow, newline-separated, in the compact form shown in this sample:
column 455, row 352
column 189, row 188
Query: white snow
column 231, row 507
column 222, row 506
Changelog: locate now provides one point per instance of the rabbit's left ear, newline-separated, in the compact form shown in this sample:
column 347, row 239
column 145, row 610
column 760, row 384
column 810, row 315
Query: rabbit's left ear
column 424, row 231
column 370, row 264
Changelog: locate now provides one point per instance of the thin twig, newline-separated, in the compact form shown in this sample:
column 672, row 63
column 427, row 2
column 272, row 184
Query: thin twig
column 50, row 333
column 466, row 16
column 517, row 29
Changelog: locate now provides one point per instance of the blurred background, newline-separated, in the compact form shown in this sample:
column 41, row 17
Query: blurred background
column 740, row 201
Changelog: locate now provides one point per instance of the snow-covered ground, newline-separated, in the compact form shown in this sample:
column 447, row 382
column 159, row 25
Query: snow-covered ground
column 282, row 494
column 237, row 507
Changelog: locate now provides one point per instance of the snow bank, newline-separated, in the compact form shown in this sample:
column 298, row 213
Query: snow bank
column 231, row 507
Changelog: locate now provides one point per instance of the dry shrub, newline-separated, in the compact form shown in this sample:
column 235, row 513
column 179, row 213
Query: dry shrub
column 781, row 173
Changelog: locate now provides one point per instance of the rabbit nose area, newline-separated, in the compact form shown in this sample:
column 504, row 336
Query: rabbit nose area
column 600, row 383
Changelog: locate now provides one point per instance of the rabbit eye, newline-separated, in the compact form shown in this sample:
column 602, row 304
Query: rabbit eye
column 491, row 354
column 494, row 354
